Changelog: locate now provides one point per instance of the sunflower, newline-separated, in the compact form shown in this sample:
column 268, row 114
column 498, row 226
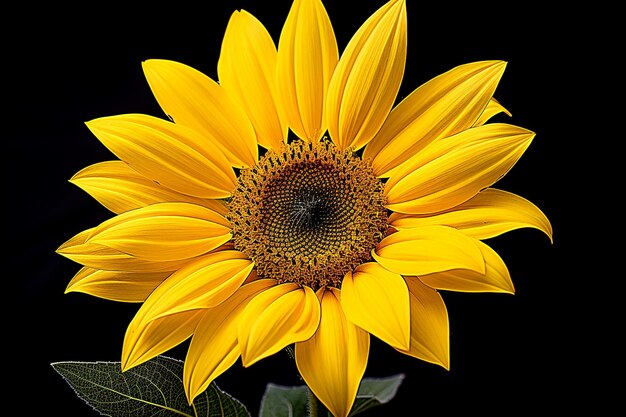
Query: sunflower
column 293, row 204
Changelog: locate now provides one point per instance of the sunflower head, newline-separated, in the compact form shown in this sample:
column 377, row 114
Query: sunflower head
column 246, row 242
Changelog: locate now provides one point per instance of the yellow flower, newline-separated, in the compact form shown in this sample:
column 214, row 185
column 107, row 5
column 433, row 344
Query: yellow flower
column 249, row 240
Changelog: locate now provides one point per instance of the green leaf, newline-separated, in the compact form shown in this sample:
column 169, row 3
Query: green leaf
column 279, row 401
column 152, row 389
column 374, row 392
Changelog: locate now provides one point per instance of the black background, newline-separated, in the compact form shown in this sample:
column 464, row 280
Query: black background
column 524, row 352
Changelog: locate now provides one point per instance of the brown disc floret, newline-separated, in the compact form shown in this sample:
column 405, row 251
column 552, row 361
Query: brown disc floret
column 308, row 213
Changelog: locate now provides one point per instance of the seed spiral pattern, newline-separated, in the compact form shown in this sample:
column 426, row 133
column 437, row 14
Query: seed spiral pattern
column 308, row 213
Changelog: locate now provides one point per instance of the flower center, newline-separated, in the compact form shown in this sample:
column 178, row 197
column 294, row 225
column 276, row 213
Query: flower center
column 308, row 213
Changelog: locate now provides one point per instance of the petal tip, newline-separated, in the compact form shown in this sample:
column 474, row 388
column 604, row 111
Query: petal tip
column 508, row 288
column 498, row 63
column 126, row 364
column 247, row 360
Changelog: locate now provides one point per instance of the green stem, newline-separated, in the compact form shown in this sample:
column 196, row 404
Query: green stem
column 316, row 408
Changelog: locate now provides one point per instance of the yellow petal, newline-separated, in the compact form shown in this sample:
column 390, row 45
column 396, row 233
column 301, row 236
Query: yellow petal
column 377, row 301
column 430, row 334
column 247, row 71
column 277, row 317
column 428, row 249
column 493, row 107
column 333, row 361
column 453, row 170
column 131, row 287
column 490, row 213
column 307, row 55
column 367, row 78
column 120, row 188
column 204, row 283
column 97, row 256
column 145, row 340
column 444, row 106
column 194, row 100
column 495, row 279
column 214, row 347
column 172, row 155
column 164, row 231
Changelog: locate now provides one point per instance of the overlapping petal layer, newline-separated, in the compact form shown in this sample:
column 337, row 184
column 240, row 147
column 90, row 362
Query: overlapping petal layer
column 444, row 106
column 279, row 316
column 163, row 232
column 214, row 347
column 490, row 213
column 496, row 277
column 194, row 100
column 146, row 340
column 170, row 154
column 367, row 78
column 201, row 284
column 430, row 335
column 94, row 255
column 429, row 249
column 120, row 188
column 131, row 287
column 332, row 362
column 453, row 170
column 183, row 297
column 377, row 301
